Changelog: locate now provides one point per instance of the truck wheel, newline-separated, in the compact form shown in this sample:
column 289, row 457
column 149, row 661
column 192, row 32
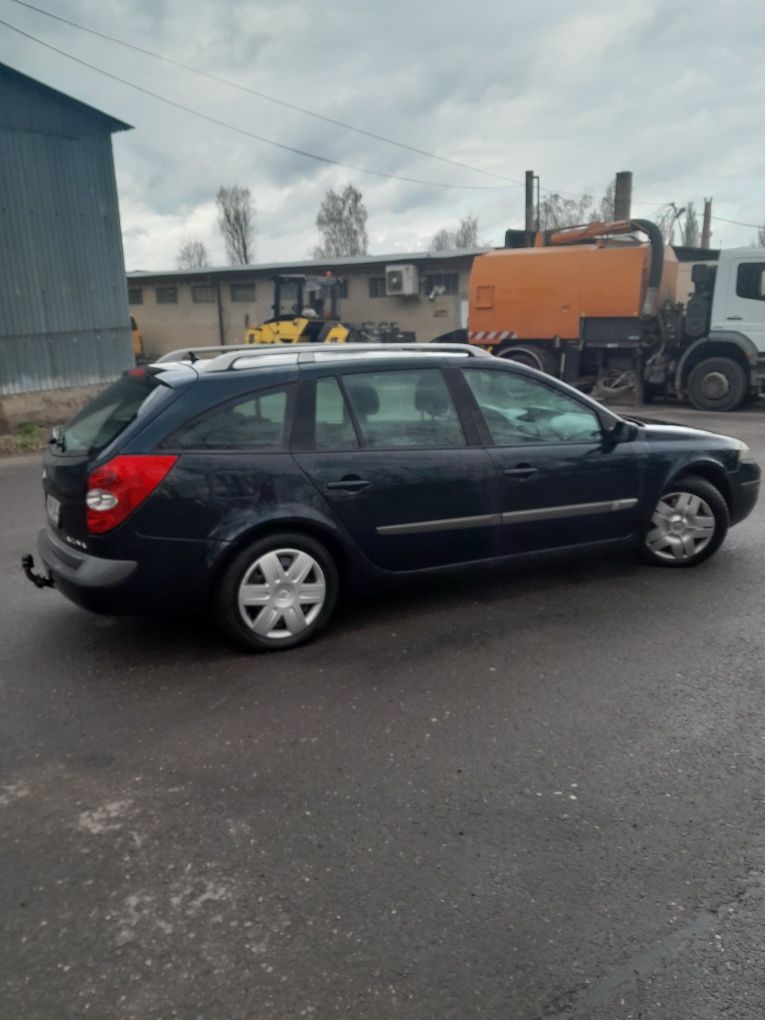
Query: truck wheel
column 277, row 593
column 717, row 384
column 541, row 360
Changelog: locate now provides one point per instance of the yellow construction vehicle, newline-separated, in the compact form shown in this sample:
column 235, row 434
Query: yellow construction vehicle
column 305, row 317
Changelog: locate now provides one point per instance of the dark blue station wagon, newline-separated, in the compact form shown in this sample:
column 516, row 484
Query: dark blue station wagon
column 258, row 484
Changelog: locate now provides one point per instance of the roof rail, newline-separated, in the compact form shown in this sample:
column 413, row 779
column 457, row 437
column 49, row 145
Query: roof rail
column 305, row 353
column 198, row 353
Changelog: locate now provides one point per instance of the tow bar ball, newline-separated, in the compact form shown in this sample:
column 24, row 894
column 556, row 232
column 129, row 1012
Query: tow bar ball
column 38, row 580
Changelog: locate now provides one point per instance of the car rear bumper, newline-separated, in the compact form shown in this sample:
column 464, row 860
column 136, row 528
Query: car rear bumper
column 71, row 566
column 167, row 577
column 89, row 581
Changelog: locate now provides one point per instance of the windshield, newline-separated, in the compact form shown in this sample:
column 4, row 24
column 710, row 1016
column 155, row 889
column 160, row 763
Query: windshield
column 100, row 421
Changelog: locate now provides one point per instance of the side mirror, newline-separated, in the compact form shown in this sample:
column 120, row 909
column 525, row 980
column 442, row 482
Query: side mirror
column 620, row 432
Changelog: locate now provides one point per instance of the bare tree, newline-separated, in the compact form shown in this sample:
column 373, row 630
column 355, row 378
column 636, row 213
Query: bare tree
column 464, row 235
column 666, row 218
column 607, row 208
column 236, row 216
column 192, row 254
column 442, row 240
column 555, row 211
column 342, row 222
column 689, row 227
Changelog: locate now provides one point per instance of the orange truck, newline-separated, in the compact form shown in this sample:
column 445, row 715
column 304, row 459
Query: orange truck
column 596, row 305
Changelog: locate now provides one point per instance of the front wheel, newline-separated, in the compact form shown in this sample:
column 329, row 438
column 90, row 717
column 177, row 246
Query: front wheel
column 717, row 384
column 688, row 525
column 277, row 593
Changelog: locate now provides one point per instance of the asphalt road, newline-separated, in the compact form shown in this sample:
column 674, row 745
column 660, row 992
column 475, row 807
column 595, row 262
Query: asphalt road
column 537, row 795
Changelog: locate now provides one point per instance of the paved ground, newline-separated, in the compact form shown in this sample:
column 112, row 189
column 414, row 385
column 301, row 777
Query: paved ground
column 537, row 796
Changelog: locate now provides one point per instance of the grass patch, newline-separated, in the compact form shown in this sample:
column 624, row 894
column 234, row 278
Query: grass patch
column 27, row 437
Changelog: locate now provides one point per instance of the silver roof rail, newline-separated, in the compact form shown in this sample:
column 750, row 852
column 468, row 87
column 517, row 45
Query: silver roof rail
column 200, row 353
column 305, row 353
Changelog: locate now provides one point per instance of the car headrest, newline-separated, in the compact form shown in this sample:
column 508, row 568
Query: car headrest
column 429, row 396
column 364, row 397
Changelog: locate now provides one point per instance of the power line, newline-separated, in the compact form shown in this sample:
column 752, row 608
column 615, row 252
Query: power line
column 265, row 96
column 738, row 223
column 252, row 134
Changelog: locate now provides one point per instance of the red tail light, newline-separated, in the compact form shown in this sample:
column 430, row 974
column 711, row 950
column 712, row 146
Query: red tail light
column 117, row 488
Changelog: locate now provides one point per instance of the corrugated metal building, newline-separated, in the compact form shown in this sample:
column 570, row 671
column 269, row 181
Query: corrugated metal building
column 64, row 318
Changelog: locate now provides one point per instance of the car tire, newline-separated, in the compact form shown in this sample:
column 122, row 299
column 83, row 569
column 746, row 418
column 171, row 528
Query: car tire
column 687, row 526
column 277, row 593
column 717, row 384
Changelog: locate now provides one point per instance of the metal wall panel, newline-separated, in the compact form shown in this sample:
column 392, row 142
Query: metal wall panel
column 64, row 317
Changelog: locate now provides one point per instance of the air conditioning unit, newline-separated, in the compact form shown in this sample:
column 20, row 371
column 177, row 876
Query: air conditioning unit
column 401, row 281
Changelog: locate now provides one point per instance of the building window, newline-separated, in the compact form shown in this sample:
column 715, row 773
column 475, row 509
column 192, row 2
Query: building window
column 242, row 291
column 442, row 283
column 202, row 294
column 342, row 288
column 167, row 295
column 377, row 286
column 135, row 295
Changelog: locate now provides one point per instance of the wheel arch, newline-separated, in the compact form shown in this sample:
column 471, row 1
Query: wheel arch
column 317, row 530
column 711, row 472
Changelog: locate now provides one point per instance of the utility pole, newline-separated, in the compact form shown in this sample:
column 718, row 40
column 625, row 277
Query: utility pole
column 706, row 232
column 529, row 201
column 623, row 195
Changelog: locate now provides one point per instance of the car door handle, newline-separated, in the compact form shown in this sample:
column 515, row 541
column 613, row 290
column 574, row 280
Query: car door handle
column 524, row 472
column 736, row 318
column 351, row 483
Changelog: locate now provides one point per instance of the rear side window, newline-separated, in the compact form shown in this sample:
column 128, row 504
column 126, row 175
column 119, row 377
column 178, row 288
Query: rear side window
column 102, row 420
column 257, row 421
column 404, row 408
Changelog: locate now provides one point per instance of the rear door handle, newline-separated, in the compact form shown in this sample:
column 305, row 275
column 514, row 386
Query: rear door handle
column 352, row 483
column 524, row 472
column 736, row 318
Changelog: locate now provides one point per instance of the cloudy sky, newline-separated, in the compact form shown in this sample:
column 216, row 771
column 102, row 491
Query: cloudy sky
column 670, row 89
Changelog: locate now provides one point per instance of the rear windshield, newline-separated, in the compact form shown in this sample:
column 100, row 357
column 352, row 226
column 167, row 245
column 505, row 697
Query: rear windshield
column 102, row 420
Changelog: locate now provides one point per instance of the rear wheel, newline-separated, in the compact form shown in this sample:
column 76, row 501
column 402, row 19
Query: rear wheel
column 277, row 593
column 688, row 524
column 534, row 357
column 717, row 384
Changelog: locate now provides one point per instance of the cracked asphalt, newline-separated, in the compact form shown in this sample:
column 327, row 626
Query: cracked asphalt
column 537, row 795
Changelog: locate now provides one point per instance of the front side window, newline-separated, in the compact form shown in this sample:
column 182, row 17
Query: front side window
column 750, row 281
column 256, row 421
column 519, row 411
column 404, row 408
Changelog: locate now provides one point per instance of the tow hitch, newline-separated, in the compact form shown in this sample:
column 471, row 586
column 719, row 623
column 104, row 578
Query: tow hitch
column 38, row 580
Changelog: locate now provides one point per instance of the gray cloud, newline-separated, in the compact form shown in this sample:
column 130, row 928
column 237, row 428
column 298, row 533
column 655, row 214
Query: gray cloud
column 574, row 91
